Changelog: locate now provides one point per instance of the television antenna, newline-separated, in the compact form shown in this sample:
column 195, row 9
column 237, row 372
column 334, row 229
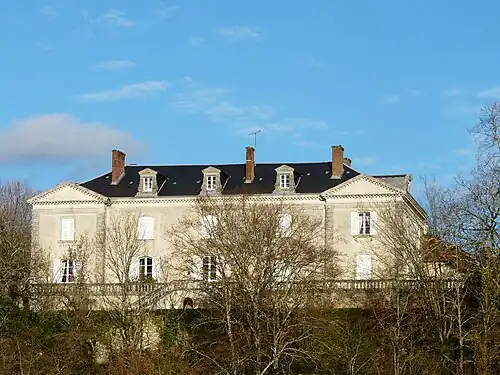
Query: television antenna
column 255, row 137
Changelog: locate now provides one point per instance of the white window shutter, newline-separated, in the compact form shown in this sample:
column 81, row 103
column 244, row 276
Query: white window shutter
column 197, row 268
column 204, row 232
column 363, row 267
column 134, row 270
column 56, row 271
column 156, row 268
column 354, row 223
column 77, row 270
column 150, row 228
column 285, row 224
column 208, row 226
column 68, row 229
column 146, row 228
column 373, row 223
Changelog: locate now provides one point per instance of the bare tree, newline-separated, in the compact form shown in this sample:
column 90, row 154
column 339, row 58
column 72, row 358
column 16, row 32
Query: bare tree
column 258, row 268
column 18, row 261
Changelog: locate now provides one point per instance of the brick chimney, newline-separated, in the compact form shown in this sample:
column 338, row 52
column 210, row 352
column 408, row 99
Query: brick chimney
column 337, row 161
column 117, row 166
column 250, row 165
column 347, row 162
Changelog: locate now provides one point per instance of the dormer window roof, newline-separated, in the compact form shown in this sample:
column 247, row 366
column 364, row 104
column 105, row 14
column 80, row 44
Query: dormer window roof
column 212, row 183
column 148, row 183
column 285, row 180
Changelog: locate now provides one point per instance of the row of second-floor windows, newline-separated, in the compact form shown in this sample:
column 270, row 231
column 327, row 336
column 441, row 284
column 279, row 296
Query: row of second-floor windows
column 141, row 269
column 208, row 268
column 205, row 268
column 362, row 223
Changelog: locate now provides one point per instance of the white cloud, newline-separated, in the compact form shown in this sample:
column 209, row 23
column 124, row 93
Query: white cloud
column 214, row 105
column 392, row 99
column 239, row 33
column 490, row 93
column 364, row 161
column 313, row 62
column 49, row 11
column 296, row 123
column 403, row 95
column 84, row 13
column 115, row 17
column 60, row 137
column 114, row 65
column 165, row 10
column 125, row 92
column 463, row 109
column 196, row 41
column 44, row 46
column 453, row 92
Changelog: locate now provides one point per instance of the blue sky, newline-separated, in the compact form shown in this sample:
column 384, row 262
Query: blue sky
column 397, row 83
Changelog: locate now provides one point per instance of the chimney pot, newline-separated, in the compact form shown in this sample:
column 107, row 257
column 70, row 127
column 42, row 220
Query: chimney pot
column 250, row 165
column 117, row 166
column 347, row 162
column 337, row 161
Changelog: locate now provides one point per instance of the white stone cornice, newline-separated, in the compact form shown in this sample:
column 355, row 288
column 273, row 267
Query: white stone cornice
column 332, row 192
column 90, row 193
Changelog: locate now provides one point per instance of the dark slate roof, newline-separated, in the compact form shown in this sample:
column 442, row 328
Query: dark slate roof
column 182, row 180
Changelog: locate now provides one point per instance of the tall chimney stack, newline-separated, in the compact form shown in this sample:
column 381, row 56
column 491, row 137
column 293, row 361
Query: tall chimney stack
column 250, row 165
column 337, row 161
column 117, row 166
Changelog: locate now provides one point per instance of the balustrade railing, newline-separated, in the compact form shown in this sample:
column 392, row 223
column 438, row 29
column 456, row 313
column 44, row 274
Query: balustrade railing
column 148, row 288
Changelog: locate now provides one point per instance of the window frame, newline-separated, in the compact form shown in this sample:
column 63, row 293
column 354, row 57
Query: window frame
column 68, row 270
column 211, row 182
column 146, row 264
column 285, row 181
column 209, row 268
column 147, row 184
column 364, row 223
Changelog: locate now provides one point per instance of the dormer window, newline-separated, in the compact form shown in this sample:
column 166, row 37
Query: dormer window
column 147, row 186
column 284, row 181
column 148, row 183
column 211, row 183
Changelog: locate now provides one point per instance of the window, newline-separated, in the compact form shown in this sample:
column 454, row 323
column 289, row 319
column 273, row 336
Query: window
column 208, row 226
column 210, row 268
column 148, row 185
column 211, row 183
column 283, row 272
column 363, row 267
column 364, row 222
column 67, row 271
column 285, row 224
column 146, row 228
column 145, row 268
column 284, row 181
column 68, row 229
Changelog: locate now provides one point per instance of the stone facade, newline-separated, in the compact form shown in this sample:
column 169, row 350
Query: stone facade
column 334, row 208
